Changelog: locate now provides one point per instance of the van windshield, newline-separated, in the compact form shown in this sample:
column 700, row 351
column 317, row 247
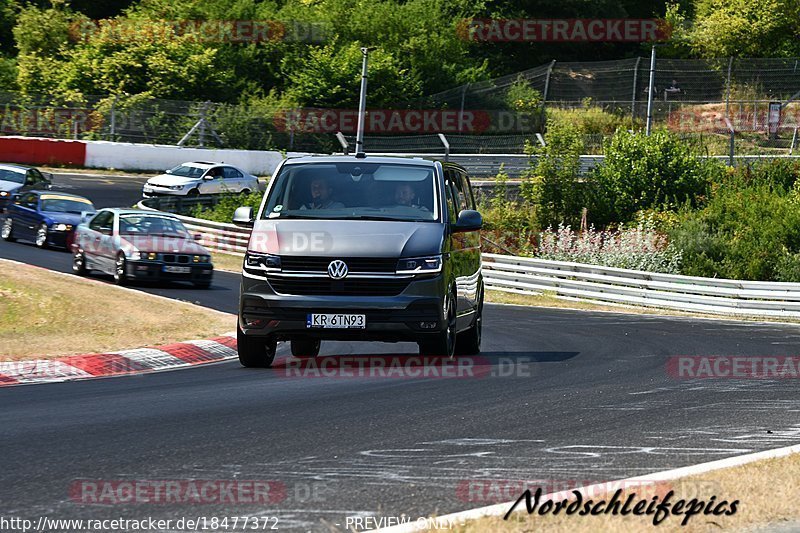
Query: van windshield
column 354, row 191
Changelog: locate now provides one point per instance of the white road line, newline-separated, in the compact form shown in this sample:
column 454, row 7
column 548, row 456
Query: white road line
column 501, row 509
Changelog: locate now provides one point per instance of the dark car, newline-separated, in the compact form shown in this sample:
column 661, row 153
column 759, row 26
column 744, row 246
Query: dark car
column 44, row 217
column 15, row 179
column 132, row 244
column 373, row 248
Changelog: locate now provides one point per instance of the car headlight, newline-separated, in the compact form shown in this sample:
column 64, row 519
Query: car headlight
column 201, row 259
column 258, row 261
column 139, row 256
column 176, row 187
column 136, row 256
column 61, row 227
column 420, row 265
column 3, row 194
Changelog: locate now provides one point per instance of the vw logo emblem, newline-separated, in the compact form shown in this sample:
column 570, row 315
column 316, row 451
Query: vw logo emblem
column 337, row 269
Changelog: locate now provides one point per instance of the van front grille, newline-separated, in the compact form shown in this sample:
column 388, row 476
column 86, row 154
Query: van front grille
column 354, row 264
column 345, row 287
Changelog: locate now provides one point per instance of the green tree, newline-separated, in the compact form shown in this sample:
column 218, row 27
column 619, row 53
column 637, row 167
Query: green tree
column 747, row 28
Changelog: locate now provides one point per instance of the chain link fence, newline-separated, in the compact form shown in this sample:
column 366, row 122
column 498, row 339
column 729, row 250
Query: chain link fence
column 719, row 105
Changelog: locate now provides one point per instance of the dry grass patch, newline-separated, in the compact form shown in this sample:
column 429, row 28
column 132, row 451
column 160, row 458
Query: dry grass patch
column 44, row 315
column 227, row 262
column 766, row 491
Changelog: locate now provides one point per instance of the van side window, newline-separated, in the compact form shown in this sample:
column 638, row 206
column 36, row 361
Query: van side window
column 458, row 191
column 466, row 187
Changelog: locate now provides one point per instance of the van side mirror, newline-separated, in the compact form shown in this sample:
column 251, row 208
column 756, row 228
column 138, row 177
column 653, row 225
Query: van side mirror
column 468, row 220
column 243, row 216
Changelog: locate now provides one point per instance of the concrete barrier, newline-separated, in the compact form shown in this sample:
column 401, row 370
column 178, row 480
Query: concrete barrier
column 130, row 156
column 105, row 154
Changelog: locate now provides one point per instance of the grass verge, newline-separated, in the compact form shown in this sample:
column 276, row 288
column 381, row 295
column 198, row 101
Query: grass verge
column 45, row 315
column 227, row 262
column 765, row 490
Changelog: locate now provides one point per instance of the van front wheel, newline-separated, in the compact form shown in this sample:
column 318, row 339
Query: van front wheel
column 444, row 343
column 255, row 352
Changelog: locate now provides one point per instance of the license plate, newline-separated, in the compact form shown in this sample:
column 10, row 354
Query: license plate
column 176, row 269
column 336, row 321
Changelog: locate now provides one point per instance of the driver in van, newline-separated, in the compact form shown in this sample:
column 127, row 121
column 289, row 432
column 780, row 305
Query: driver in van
column 406, row 196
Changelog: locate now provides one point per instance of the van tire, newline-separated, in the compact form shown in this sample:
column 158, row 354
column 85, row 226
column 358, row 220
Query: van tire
column 469, row 341
column 305, row 348
column 443, row 343
column 255, row 352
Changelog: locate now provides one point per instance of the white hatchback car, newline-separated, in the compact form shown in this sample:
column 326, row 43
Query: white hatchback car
column 200, row 177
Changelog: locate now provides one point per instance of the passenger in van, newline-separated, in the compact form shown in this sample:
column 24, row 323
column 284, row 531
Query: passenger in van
column 405, row 196
column 321, row 196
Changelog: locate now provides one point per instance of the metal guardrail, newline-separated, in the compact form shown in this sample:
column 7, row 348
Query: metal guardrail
column 524, row 275
column 488, row 165
column 631, row 287
column 216, row 236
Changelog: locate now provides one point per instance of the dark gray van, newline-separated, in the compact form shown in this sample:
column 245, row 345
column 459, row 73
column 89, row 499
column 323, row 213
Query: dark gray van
column 372, row 248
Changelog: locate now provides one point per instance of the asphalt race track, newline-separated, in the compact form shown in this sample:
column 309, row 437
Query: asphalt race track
column 564, row 397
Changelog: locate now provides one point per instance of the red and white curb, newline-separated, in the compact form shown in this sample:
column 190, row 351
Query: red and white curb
column 125, row 362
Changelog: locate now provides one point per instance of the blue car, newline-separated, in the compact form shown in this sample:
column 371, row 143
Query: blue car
column 46, row 218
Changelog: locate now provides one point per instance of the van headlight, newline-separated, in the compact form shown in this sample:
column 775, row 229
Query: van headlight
column 420, row 265
column 257, row 261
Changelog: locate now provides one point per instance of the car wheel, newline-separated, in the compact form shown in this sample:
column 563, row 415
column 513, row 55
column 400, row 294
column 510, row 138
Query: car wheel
column 41, row 236
column 245, row 191
column 8, row 230
column 255, row 352
column 305, row 348
column 79, row 264
column 193, row 193
column 444, row 343
column 120, row 277
column 469, row 342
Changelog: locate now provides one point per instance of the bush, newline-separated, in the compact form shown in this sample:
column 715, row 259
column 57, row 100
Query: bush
column 638, row 247
column 513, row 224
column 641, row 172
column 592, row 120
column 553, row 183
column 223, row 211
column 745, row 232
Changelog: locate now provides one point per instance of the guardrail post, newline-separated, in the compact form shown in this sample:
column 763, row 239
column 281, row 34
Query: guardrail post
column 343, row 141
column 446, row 146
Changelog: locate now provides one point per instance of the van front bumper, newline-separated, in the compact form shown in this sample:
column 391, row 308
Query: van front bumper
column 412, row 315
